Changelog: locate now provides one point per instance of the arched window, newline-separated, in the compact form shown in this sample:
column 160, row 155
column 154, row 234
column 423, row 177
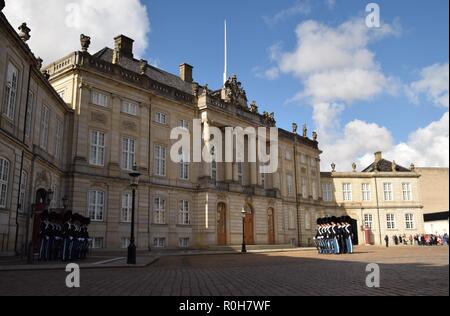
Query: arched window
column 4, row 177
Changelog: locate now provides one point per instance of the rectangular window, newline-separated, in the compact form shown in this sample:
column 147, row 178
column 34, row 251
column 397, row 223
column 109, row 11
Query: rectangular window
column 368, row 220
column 288, row 155
column 4, row 178
column 291, row 219
column 127, row 200
column 97, row 243
column 289, row 185
column 184, row 242
column 97, row 155
column 410, row 221
column 23, row 192
column 161, row 118
column 366, row 195
column 96, row 205
column 159, row 242
column 159, row 211
column 313, row 162
column 29, row 116
column 390, row 221
column 407, row 192
column 160, row 160
column 184, row 216
column 347, row 192
column 45, row 122
column 307, row 220
column 10, row 96
column 327, row 192
column 303, row 158
column 99, row 99
column 388, row 194
column 128, row 153
column 58, row 139
column 129, row 107
column 184, row 124
column 184, row 170
column 304, row 184
column 125, row 242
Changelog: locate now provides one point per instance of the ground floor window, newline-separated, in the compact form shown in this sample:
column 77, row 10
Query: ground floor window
column 159, row 242
column 368, row 220
column 97, row 243
column 184, row 242
column 125, row 242
column 409, row 220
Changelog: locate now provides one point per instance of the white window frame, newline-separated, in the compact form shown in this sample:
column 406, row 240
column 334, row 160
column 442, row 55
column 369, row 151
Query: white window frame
column 129, row 107
column 368, row 220
column 184, row 124
column 128, row 153
column 410, row 221
column 347, row 192
column 388, row 193
column 390, row 221
column 62, row 94
column 29, row 115
column 304, row 186
column 125, row 242
column 292, row 219
column 4, row 181
column 97, row 148
column 184, row 216
column 160, row 160
column 159, row 211
column 59, row 132
column 327, row 192
column 366, row 192
column 183, row 167
column 10, row 95
column 407, row 191
column 98, row 240
column 161, row 118
column 45, row 125
column 159, row 242
column 99, row 98
column 127, row 200
column 290, row 185
column 96, row 205
column 184, row 242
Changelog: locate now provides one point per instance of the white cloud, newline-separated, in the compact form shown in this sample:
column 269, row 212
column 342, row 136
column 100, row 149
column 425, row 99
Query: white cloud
column 301, row 7
column 56, row 25
column 433, row 84
column 337, row 68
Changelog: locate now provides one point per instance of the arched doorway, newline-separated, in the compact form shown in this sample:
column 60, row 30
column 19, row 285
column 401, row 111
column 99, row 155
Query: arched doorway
column 354, row 227
column 248, row 225
column 221, row 224
column 38, row 209
column 271, row 226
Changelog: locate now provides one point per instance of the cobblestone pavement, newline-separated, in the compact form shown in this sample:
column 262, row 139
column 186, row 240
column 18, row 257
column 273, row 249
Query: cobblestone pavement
column 404, row 271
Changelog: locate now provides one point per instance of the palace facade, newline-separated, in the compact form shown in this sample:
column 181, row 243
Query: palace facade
column 76, row 128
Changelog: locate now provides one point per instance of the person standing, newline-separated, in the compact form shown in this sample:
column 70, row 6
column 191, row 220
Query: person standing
column 386, row 239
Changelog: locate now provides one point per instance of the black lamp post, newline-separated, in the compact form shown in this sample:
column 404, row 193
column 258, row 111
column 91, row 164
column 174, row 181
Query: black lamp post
column 131, row 259
column 244, row 247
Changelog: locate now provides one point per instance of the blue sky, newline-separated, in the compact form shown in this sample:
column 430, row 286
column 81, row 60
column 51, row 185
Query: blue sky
column 383, row 89
column 182, row 31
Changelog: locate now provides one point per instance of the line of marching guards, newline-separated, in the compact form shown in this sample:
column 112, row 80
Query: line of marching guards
column 334, row 235
column 63, row 237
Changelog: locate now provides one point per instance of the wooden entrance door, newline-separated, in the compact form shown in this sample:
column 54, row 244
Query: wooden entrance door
column 271, row 226
column 248, row 228
column 221, row 224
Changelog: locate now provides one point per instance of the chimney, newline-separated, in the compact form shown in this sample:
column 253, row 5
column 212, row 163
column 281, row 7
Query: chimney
column 378, row 156
column 123, row 47
column 186, row 73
